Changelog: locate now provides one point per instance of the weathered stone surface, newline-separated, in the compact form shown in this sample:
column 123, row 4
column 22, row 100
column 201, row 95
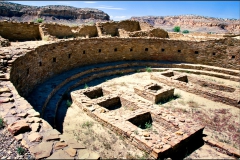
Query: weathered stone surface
column 11, row 119
column 19, row 127
column 4, row 89
column 94, row 155
column 35, row 137
column 4, row 100
column 60, row 154
column 19, row 137
column 72, row 152
column 7, row 105
column 51, row 137
column 33, row 114
column 83, row 154
column 146, row 134
column 45, row 126
column 24, row 143
column 34, row 119
column 77, row 145
column 23, row 115
column 42, row 150
column 6, row 94
column 60, row 145
column 13, row 112
column 35, row 127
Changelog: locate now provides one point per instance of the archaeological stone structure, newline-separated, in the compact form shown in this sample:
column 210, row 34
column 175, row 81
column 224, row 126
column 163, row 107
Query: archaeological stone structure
column 101, row 50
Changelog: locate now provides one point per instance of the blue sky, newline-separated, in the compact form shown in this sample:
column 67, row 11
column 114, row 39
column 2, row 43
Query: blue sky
column 119, row 10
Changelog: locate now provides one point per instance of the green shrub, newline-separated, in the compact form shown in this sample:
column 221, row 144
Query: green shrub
column 148, row 69
column 185, row 31
column 176, row 29
column 87, row 124
column 39, row 20
column 1, row 122
column 148, row 125
column 68, row 103
column 85, row 86
column 20, row 150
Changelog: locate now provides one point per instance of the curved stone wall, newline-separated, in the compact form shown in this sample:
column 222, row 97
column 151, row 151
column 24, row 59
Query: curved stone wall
column 46, row 61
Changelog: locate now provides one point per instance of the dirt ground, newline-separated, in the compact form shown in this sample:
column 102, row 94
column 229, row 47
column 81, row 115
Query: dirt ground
column 221, row 121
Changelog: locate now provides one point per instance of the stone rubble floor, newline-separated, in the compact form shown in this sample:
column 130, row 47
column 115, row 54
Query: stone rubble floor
column 9, row 147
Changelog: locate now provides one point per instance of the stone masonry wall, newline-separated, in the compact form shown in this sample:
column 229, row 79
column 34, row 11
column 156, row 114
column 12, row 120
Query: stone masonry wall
column 145, row 26
column 48, row 60
column 19, row 31
column 154, row 32
column 111, row 28
column 63, row 31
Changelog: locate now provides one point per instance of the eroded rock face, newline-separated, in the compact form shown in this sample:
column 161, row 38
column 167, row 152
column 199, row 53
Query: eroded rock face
column 197, row 23
column 9, row 10
column 17, row 127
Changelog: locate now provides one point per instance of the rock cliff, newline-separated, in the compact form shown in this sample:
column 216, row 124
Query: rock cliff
column 51, row 13
column 193, row 23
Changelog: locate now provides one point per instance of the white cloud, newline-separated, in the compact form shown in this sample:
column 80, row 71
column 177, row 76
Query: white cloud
column 118, row 18
column 109, row 7
column 90, row 2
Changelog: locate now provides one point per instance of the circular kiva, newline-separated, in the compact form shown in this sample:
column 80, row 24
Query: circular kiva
column 53, row 91
column 48, row 60
column 50, row 72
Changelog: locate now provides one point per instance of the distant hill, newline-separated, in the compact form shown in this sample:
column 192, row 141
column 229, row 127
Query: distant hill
column 193, row 23
column 51, row 13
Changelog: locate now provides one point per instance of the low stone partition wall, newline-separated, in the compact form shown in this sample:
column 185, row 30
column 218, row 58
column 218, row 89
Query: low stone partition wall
column 210, row 90
column 111, row 28
column 155, row 92
column 154, row 32
column 131, row 117
column 195, row 36
column 49, row 30
column 222, row 147
column 22, row 31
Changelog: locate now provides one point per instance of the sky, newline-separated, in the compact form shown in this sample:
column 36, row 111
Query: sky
column 119, row 10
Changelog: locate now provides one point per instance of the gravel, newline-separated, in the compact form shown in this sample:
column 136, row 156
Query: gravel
column 9, row 146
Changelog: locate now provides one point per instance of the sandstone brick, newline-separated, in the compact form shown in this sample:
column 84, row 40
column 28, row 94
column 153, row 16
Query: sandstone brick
column 42, row 150
column 60, row 145
column 60, row 154
column 34, row 137
column 19, row 127
column 72, row 152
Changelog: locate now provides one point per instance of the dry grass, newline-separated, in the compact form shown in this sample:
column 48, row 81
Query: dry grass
column 222, row 125
column 192, row 104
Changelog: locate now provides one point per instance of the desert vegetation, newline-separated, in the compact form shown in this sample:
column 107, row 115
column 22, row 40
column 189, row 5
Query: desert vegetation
column 176, row 29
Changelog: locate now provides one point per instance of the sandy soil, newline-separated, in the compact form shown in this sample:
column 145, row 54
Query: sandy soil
column 110, row 145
